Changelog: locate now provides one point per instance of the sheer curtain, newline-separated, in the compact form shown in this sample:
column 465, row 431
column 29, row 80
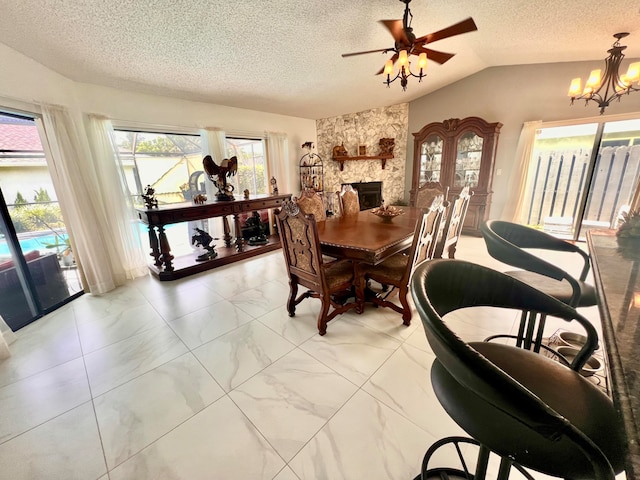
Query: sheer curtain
column 277, row 166
column 519, row 185
column 6, row 337
column 93, row 223
column 128, row 258
column 278, row 160
column 214, row 143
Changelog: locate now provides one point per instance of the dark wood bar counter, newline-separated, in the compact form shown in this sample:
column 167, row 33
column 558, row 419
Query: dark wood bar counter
column 615, row 269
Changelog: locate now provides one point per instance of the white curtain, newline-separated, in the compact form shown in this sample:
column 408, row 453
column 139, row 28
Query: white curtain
column 127, row 257
column 278, row 160
column 519, row 184
column 214, row 143
column 89, row 218
column 6, row 337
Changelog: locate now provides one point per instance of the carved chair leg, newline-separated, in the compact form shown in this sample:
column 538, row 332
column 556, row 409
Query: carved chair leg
column 322, row 316
column 291, row 303
column 406, row 309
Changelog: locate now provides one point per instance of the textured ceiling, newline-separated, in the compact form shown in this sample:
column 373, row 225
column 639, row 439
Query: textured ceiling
column 284, row 56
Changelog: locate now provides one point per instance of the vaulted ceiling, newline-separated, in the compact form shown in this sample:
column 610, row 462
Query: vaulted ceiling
column 284, row 56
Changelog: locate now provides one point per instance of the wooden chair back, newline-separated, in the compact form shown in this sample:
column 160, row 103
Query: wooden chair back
column 310, row 202
column 426, row 239
column 453, row 225
column 348, row 200
column 424, row 195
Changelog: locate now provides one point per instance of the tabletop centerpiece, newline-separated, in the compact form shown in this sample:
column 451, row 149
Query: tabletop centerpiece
column 387, row 212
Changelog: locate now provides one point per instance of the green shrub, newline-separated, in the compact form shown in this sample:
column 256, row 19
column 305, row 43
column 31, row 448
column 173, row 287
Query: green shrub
column 37, row 217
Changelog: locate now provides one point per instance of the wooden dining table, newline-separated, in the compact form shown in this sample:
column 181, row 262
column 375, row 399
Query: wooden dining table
column 367, row 238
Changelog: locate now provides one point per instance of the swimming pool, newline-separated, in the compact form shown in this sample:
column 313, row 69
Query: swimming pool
column 33, row 243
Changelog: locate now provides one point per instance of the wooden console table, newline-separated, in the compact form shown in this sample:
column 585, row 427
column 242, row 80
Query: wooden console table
column 616, row 270
column 167, row 267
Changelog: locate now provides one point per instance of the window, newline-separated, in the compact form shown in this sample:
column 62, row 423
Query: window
column 252, row 165
column 172, row 164
column 168, row 162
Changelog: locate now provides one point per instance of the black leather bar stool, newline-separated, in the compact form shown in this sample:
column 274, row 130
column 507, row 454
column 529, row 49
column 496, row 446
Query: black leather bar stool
column 530, row 410
column 507, row 242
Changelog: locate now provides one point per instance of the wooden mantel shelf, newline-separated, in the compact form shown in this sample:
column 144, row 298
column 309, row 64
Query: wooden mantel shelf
column 384, row 159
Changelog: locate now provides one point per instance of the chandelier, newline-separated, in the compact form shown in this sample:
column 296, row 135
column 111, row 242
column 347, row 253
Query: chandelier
column 603, row 90
column 404, row 71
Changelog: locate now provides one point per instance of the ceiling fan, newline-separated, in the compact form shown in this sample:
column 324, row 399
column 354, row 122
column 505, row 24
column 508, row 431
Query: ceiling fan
column 406, row 41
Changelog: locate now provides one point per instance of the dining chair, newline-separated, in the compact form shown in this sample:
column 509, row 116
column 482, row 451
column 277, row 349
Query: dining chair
column 305, row 266
column 532, row 411
column 396, row 270
column 311, row 202
column 424, row 195
column 348, row 200
column 509, row 243
column 452, row 228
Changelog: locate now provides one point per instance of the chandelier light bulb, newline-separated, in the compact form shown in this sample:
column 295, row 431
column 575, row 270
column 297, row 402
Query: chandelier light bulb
column 633, row 72
column 388, row 67
column 576, row 87
column 595, row 78
column 402, row 58
column 422, row 61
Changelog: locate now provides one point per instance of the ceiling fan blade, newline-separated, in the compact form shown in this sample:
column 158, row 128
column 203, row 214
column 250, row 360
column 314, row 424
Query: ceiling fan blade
column 396, row 30
column 368, row 51
column 436, row 56
column 393, row 60
column 464, row 26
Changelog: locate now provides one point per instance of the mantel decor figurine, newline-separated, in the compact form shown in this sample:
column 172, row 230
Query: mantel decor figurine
column 149, row 197
column 218, row 175
column 203, row 239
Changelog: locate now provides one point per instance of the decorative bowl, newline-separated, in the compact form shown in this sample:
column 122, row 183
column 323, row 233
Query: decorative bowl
column 589, row 368
column 387, row 213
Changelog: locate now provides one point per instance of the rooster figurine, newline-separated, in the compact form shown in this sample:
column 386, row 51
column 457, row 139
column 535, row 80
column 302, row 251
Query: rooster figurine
column 218, row 175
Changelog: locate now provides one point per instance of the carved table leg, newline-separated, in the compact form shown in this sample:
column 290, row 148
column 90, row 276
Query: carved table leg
column 166, row 256
column 155, row 250
column 227, row 232
column 239, row 239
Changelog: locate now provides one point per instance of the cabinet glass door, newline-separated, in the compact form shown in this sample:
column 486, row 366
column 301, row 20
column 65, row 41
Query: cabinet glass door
column 430, row 159
column 468, row 159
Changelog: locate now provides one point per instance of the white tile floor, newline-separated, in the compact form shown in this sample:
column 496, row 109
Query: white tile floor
column 209, row 378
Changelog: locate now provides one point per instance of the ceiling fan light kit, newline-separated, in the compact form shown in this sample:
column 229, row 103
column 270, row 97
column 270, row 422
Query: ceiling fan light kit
column 603, row 90
column 406, row 44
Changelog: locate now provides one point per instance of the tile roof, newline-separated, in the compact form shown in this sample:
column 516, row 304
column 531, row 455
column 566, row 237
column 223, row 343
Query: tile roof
column 19, row 137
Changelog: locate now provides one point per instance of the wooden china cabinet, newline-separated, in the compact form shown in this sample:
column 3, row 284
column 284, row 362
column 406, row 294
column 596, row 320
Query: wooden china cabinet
column 457, row 153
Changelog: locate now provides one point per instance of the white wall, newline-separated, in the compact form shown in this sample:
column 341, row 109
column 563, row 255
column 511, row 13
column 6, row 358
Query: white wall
column 510, row 95
column 23, row 82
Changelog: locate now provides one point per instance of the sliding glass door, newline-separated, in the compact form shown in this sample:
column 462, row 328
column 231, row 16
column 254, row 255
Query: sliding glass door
column 37, row 267
column 582, row 177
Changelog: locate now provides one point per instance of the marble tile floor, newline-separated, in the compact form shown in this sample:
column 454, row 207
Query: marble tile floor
column 209, row 378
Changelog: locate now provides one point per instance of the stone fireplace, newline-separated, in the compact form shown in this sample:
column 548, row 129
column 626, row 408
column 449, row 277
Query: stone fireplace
column 369, row 194
column 365, row 129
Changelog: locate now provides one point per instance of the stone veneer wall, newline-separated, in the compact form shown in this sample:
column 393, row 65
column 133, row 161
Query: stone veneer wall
column 366, row 128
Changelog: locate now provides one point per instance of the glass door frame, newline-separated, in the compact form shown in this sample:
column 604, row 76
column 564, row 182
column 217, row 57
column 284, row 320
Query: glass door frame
column 37, row 307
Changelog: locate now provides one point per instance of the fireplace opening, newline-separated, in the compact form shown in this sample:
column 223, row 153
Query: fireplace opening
column 369, row 194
